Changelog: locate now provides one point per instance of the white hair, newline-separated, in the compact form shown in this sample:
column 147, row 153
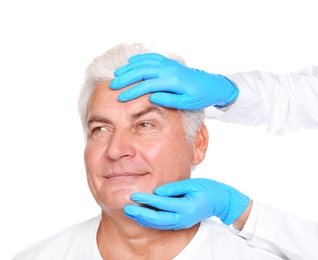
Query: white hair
column 102, row 69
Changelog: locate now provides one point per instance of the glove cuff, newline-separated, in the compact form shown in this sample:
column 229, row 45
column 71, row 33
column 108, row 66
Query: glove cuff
column 232, row 89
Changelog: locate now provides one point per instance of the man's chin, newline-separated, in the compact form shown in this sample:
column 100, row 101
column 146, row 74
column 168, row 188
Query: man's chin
column 118, row 200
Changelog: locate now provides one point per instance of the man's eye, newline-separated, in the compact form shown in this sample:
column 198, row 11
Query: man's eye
column 145, row 125
column 99, row 132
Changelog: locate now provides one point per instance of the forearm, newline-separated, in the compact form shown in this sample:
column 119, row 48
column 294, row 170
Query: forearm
column 281, row 233
column 282, row 102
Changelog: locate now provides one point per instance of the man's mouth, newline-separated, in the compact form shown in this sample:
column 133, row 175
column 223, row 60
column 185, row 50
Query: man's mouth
column 126, row 175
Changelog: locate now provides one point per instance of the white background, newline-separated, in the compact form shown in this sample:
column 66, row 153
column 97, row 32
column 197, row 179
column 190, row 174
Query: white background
column 47, row 45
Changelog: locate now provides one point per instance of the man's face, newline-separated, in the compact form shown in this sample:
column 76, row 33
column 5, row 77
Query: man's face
column 133, row 147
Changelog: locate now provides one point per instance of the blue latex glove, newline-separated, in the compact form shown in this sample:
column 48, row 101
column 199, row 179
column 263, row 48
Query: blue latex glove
column 173, row 84
column 202, row 198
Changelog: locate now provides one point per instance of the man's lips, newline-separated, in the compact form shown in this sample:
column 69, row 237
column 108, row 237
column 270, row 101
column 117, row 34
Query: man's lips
column 125, row 175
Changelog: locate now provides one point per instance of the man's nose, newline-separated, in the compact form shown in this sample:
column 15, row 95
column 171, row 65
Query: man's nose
column 121, row 145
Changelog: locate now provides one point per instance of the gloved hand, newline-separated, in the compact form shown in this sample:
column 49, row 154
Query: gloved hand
column 173, row 84
column 202, row 198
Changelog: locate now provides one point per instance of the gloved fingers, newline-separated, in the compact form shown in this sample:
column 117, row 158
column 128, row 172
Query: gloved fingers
column 145, row 87
column 144, row 56
column 152, row 218
column 133, row 76
column 137, row 65
column 160, row 202
column 177, row 188
column 171, row 100
column 157, row 226
column 166, row 99
column 160, row 226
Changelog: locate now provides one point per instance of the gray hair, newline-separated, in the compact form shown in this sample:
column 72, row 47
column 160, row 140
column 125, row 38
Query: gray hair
column 102, row 69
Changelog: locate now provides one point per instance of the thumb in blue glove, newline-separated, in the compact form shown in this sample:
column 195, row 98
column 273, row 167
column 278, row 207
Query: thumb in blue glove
column 173, row 84
column 201, row 198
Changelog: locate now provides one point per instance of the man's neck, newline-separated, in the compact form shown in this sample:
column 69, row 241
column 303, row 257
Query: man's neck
column 123, row 238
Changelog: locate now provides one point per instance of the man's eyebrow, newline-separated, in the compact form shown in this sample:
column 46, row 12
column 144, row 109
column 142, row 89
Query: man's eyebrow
column 147, row 110
column 99, row 119
column 134, row 116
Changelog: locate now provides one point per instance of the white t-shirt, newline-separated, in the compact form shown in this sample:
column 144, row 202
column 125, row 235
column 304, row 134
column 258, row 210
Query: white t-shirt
column 212, row 241
column 77, row 242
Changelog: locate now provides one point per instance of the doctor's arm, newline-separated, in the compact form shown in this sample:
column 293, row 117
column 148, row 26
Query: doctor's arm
column 280, row 232
column 282, row 102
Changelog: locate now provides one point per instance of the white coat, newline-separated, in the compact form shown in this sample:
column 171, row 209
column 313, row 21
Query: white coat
column 284, row 103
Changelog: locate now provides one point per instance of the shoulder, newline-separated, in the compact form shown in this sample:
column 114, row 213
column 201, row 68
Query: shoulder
column 56, row 246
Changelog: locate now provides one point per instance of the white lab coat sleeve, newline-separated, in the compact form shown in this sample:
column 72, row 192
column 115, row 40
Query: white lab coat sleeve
column 283, row 103
column 281, row 233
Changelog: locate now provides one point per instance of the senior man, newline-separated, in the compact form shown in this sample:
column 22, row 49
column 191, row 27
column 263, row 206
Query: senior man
column 136, row 147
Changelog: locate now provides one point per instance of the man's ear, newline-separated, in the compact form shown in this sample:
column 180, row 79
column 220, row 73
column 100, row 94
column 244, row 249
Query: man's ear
column 201, row 142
